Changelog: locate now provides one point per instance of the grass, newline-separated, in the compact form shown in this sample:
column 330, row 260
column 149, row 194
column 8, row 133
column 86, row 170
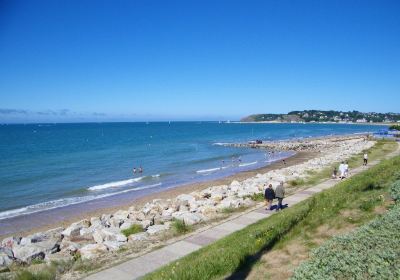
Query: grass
column 180, row 227
column 379, row 150
column 237, row 253
column 132, row 230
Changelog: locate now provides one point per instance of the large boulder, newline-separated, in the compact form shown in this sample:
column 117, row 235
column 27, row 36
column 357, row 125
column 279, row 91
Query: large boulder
column 28, row 253
column 74, row 229
column 141, row 236
column 91, row 251
column 185, row 199
column 156, row 229
column 121, row 214
column 5, row 260
column 113, row 245
column 10, row 241
column 189, row 218
column 113, row 234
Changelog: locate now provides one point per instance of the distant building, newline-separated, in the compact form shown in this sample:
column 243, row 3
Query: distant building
column 361, row 120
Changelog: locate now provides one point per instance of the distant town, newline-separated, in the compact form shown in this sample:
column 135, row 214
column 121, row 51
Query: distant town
column 318, row 116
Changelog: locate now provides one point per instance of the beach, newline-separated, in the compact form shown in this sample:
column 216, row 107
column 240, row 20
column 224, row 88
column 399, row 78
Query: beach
column 94, row 233
column 66, row 219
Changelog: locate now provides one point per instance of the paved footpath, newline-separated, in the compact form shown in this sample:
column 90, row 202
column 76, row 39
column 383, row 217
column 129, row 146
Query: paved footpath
column 138, row 267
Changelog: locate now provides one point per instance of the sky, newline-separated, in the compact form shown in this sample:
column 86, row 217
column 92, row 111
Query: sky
column 195, row 60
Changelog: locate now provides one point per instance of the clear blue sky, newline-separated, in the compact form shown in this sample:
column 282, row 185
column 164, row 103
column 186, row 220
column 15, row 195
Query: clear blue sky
column 196, row 59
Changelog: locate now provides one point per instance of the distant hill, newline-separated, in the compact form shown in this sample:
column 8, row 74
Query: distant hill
column 325, row 116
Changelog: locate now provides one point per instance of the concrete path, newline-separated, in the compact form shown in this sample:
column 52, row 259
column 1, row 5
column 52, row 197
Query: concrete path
column 140, row 266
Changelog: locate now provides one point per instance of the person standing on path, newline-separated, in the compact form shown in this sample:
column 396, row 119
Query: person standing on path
column 365, row 159
column 342, row 170
column 280, row 194
column 269, row 196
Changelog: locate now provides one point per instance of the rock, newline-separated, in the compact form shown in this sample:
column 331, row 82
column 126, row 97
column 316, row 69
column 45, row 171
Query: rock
column 141, row 236
column 10, row 241
column 98, row 236
column 28, row 253
column 95, row 222
column 74, row 229
column 113, row 245
column 69, row 246
column 5, row 260
column 8, row 251
column 115, row 222
column 111, row 234
column 190, row 218
column 235, row 184
column 59, row 257
column 185, row 199
column 208, row 211
column 230, row 203
column 156, row 229
column 146, row 223
column 25, row 241
column 121, row 215
column 105, row 220
column 91, row 251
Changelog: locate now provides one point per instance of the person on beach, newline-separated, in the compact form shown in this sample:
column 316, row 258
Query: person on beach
column 140, row 169
column 280, row 194
column 365, row 159
column 346, row 169
column 269, row 196
column 134, row 170
column 334, row 173
column 342, row 170
column 284, row 162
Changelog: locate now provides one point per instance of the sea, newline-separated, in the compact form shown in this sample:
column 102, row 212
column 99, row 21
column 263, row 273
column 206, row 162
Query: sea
column 47, row 170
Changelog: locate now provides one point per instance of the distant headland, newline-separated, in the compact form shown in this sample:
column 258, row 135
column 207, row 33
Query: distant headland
column 319, row 116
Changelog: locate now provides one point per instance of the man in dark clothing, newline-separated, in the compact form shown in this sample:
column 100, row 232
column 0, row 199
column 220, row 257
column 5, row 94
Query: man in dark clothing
column 280, row 194
column 269, row 196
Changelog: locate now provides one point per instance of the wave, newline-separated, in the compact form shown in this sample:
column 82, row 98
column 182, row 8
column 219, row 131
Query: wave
column 123, row 183
column 116, row 184
column 208, row 170
column 221, row 144
column 248, row 163
column 53, row 204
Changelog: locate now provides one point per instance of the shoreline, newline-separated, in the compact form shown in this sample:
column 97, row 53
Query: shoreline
column 170, row 193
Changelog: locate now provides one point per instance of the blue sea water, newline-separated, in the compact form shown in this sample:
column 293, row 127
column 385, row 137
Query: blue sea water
column 48, row 166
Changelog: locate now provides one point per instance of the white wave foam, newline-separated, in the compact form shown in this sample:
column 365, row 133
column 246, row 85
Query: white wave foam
column 208, row 170
column 155, row 176
column 248, row 163
column 53, row 204
column 220, row 144
column 116, row 184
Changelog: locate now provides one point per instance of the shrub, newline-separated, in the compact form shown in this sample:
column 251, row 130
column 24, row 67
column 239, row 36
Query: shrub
column 48, row 273
column 132, row 230
column 395, row 191
column 371, row 252
column 180, row 227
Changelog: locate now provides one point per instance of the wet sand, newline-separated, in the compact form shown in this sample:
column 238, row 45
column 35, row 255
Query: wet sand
column 165, row 194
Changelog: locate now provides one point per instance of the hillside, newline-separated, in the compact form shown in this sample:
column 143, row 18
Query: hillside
column 325, row 116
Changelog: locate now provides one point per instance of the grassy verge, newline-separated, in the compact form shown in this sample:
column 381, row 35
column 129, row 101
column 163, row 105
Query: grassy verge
column 379, row 150
column 237, row 253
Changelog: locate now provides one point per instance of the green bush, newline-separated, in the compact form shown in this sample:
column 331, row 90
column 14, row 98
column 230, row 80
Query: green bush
column 371, row 252
column 132, row 230
column 395, row 191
